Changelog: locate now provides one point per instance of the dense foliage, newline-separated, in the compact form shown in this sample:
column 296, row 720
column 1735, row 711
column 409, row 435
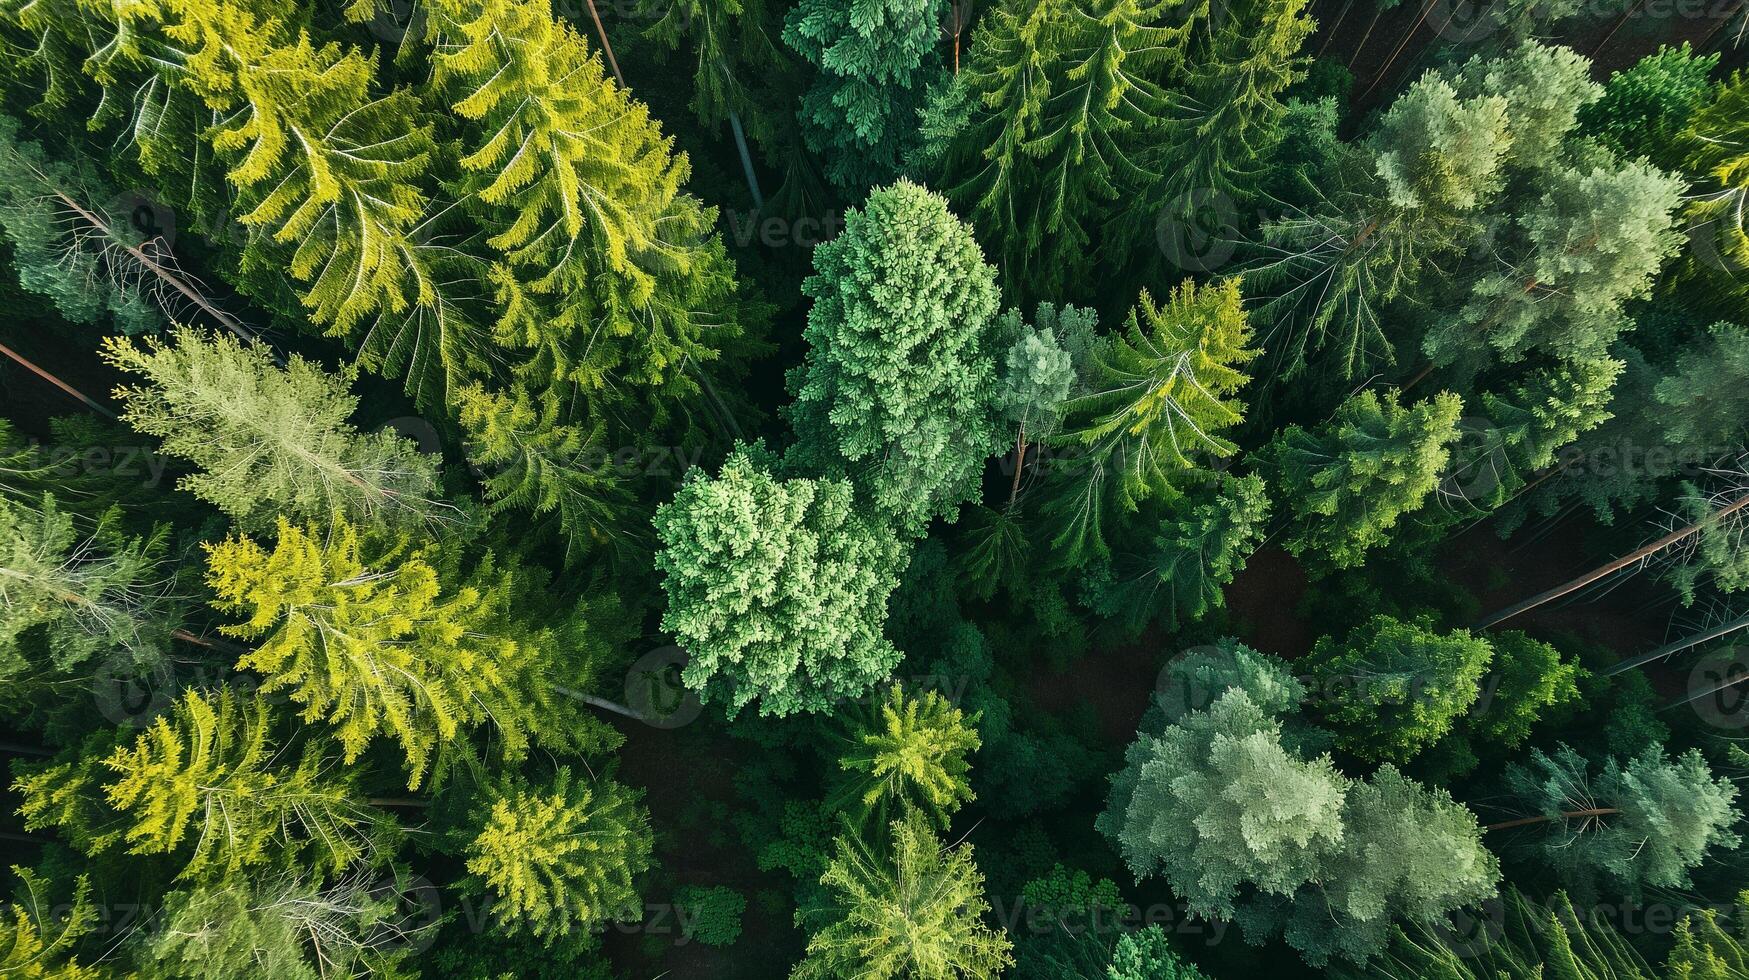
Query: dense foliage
column 913, row 489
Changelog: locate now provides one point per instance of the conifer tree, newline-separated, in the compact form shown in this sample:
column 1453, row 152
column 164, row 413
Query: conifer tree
column 37, row 938
column 601, row 268
column 898, row 390
column 913, row 909
column 1397, row 687
column 1545, row 87
column 1712, row 149
column 1594, row 241
column 206, row 782
column 1530, row 422
column 533, row 460
column 875, row 61
column 561, row 856
column 1224, row 121
column 1629, row 826
column 1350, row 481
column 1038, row 373
column 79, row 594
column 1409, row 195
column 371, row 642
column 911, row 754
column 1179, row 572
column 1243, row 826
column 777, row 589
column 66, row 243
column 1162, row 391
column 286, row 926
column 1645, row 109
column 267, row 440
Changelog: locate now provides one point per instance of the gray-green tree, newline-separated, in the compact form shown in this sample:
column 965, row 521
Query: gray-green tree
column 1393, row 688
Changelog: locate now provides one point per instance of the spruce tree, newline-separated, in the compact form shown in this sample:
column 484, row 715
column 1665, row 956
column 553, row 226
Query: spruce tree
column 1645, row 109
column 1629, row 826
column 910, row 753
column 80, row 595
column 875, row 61
column 207, row 783
column 371, row 641
column 898, row 389
column 268, row 441
column 1349, row 482
column 912, row 909
column 1396, row 687
column 1711, row 148
column 37, row 937
column 560, row 856
column 1161, row 393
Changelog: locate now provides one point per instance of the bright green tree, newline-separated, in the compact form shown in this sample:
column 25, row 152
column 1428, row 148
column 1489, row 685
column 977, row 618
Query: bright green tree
column 562, row 855
column 1643, row 824
column 37, row 938
column 1705, row 947
column 1645, row 109
column 875, row 61
column 1711, row 149
column 369, row 640
column 911, row 754
column 1161, row 393
column 777, row 589
column 1348, row 482
column 1394, row 688
column 1148, row 955
column 914, row 909
column 899, row 386
column 1534, row 418
column 206, row 782
column 532, row 459
column 286, row 927
column 269, row 441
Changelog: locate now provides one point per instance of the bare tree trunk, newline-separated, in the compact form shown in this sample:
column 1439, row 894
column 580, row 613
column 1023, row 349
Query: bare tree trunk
column 1603, row 571
column 1330, row 34
column 1365, row 35
column 1019, row 464
column 606, row 46
column 1602, row 811
column 58, row 383
column 1386, row 70
column 1677, row 646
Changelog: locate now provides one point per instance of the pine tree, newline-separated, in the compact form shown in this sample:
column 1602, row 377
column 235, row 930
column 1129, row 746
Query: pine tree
column 1705, row 947
column 206, row 782
column 1702, row 400
column 875, row 62
column 1546, row 88
column 1530, row 422
column 268, row 440
column 1148, row 955
column 561, row 856
column 899, row 386
column 1645, row 109
column 1162, row 391
column 911, row 754
column 533, row 460
column 1038, row 373
column 66, row 242
column 1349, row 482
column 1712, row 148
column 370, row 641
column 287, row 926
column 777, row 589
column 1643, row 824
column 79, row 595
column 1396, row 687
column 1594, row 241
column 1408, row 196
column 912, row 910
